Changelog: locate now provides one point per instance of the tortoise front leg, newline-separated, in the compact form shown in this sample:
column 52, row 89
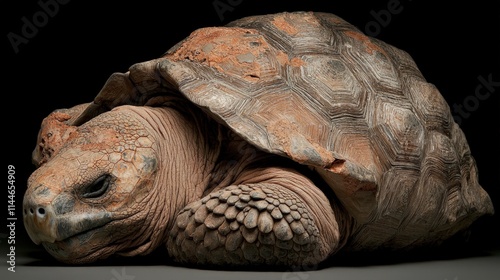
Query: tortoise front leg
column 257, row 223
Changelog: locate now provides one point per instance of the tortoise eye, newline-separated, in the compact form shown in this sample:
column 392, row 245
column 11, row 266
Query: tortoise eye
column 98, row 187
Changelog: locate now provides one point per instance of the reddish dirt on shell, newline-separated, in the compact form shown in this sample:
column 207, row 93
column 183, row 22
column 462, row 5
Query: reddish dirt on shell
column 229, row 50
column 367, row 42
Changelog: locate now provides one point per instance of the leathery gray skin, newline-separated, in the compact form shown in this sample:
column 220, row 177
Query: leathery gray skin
column 136, row 178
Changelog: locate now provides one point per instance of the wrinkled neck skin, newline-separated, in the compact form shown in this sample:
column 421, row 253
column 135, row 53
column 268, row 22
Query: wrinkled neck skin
column 188, row 147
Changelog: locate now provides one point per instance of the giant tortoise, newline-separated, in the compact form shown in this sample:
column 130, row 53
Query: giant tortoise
column 277, row 139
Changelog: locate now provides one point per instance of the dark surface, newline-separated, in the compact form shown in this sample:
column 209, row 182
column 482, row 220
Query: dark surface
column 451, row 264
column 69, row 58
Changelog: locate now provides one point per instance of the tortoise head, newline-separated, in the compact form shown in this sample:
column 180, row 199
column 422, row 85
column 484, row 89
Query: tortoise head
column 92, row 197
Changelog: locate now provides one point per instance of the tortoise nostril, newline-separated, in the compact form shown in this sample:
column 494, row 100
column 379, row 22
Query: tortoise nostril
column 31, row 210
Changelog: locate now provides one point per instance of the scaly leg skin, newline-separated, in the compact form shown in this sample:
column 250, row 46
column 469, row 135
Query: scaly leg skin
column 277, row 217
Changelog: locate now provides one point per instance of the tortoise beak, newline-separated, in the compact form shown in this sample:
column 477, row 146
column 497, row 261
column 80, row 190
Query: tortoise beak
column 55, row 219
column 39, row 222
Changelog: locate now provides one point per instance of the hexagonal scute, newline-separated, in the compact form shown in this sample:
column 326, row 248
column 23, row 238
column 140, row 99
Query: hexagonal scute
column 376, row 68
column 399, row 134
column 430, row 105
column 327, row 80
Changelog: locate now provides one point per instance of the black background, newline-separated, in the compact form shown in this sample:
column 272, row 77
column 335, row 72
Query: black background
column 69, row 58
